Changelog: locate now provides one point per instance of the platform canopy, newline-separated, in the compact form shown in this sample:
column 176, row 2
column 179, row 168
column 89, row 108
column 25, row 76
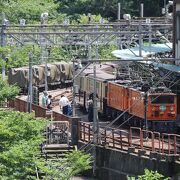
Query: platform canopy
column 146, row 51
column 133, row 53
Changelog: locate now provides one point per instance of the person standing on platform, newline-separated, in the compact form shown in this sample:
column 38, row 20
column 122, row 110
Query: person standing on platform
column 64, row 104
column 90, row 110
column 44, row 99
column 49, row 102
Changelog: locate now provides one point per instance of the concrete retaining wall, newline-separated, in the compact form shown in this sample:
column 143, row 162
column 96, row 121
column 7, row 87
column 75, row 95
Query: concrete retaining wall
column 117, row 165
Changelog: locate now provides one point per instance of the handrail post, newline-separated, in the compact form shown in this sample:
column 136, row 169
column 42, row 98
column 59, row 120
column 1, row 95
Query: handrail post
column 105, row 136
column 169, row 151
column 89, row 133
column 130, row 137
column 153, row 145
column 84, row 130
column 113, row 137
column 141, row 139
column 121, row 139
column 159, row 142
column 162, row 143
column 175, row 145
column 79, row 132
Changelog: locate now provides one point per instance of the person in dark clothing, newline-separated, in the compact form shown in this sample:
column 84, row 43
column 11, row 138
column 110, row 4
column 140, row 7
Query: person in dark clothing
column 91, row 96
column 49, row 102
column 69, row 110
column 90, row 110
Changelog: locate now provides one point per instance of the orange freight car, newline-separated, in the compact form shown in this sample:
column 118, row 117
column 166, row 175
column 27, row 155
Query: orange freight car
column 117, row 96
column 161, row 111
column 136, row 103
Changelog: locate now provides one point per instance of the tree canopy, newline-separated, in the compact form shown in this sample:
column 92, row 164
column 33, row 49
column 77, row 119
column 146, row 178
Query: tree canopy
column 21, row 135
column 60, row 9
column 29, row 10
column 7, row 92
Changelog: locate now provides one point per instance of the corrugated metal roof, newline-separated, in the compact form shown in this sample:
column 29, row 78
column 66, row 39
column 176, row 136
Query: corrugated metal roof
column 133, row 53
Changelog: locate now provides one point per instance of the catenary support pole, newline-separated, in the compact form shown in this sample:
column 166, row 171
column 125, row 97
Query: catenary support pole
column 140, row 39
column 46, row 70
column 30, row 93
column 145, row 112
column 95, row 115
column 74, row 92
column 142, row 10
column 3, row 44
column 119, row 11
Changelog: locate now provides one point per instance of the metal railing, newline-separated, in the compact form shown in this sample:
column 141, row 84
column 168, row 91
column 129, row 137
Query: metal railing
column 139, row 139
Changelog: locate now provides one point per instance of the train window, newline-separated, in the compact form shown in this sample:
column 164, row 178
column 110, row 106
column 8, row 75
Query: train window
column 162, row 99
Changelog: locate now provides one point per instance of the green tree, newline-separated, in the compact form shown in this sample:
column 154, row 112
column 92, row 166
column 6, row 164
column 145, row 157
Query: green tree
column 29, row 10
column 20, row 137
column 151, row 175
column 7, row 92
column 73, row 164
column 109, row 8
column 152, row 8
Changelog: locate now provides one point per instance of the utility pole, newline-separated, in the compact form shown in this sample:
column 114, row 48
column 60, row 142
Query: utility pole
column 142, row 10
column 94, row 111
column 146, row 88
column 74, row 89
column 140, row 39
column 145, row 112
column 3, row 44
column 44, row 56
column 119, row 11
column 46, row 70
column 95, row 115
column 150, row 35
column 30, row 90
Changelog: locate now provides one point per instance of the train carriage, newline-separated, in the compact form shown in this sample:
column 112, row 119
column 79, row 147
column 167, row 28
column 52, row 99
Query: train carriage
column 136, row 103
column 117, row 96
column 161, row 111
column 38, row 75
column 19, row 76
column 57, row 74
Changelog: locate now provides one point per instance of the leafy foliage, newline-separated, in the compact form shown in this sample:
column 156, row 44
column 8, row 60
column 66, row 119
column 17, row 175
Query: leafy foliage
column 105, row 52
column 7, row 91
column 73, row 164
column 20, row 135
column 60, row 9
column 108, row 9
column 151, row 175
column 24, row 9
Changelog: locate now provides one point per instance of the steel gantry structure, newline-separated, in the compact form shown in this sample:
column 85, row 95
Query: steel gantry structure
column 88, row 34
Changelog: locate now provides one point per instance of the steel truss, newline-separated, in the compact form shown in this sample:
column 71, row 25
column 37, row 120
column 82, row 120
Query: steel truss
column 120, row 33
